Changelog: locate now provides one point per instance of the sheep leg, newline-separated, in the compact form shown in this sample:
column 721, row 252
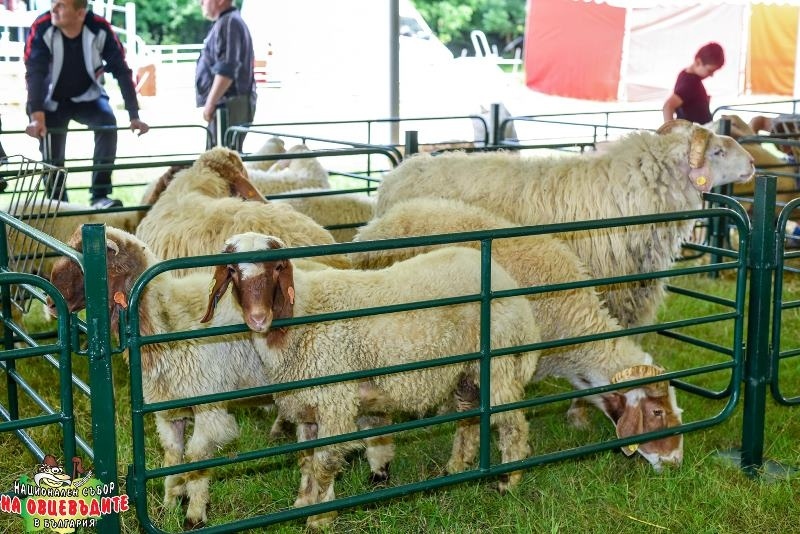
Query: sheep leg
column 380, row 449
column 512, row 429
column 467, row 439
column 171, row 435
column 308, row 491
column 213, row 429
column 328, row 461
column 578, row 413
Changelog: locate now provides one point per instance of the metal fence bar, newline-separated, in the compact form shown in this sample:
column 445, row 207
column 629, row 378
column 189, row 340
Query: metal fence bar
column 100, row 376
column 761, row 264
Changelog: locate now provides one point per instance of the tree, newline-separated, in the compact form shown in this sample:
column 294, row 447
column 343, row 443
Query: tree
column 175, row 22
column 452, row 20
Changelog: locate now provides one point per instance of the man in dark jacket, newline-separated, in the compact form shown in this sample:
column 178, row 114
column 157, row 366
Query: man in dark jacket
column 66, row 53
column 224, row 75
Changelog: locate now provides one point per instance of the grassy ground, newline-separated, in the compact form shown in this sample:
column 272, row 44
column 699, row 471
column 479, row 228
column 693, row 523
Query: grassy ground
column 601, row 493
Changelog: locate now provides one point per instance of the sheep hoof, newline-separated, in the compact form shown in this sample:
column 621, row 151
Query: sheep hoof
column 317, row 522
column 578, row 418
column 380, row 478
column 507, row 481
column 193, row 524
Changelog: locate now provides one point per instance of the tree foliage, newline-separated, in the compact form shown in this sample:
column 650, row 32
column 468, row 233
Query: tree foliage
column 175, row 22
column 181, row 21
column 452, row 20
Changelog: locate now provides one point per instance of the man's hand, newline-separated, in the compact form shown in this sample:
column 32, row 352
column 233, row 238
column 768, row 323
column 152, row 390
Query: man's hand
column 36, row 128
column 209, row 110
column 138, row 124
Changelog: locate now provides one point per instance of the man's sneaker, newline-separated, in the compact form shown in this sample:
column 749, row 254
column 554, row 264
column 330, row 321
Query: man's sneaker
column 105, row 202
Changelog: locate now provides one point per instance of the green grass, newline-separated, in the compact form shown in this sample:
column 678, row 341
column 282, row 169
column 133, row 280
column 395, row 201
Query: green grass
column 601, row 493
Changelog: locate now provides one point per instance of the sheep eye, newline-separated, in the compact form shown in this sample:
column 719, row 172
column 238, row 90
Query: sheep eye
column 719, row 152
column 658, row 413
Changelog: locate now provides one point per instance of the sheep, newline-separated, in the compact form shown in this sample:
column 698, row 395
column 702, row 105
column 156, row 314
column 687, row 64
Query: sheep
column 273, row 145
column 333, row 209
column 643, row 173
column 291, row 173
column 272, row 290
column 174, row 370
column 766, row 160
column 195, row 212
column 546, row 260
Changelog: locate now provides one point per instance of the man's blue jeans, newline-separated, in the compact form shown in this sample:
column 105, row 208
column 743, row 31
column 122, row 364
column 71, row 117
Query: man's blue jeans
column 92, row 114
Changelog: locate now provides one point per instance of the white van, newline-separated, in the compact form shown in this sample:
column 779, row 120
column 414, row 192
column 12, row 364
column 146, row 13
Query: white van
column 345, row 38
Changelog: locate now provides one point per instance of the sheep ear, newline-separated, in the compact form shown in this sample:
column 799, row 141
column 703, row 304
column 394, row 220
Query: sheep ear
column 219, row 286
column 630, row 424
column 242, row 187
column 283, row 303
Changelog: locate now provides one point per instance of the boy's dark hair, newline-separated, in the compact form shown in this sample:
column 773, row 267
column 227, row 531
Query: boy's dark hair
column 711, row 54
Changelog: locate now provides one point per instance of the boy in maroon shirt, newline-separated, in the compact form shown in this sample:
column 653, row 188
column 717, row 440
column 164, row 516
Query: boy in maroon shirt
column 689, row 99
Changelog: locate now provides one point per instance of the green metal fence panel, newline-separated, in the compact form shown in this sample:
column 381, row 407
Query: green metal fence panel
column 781, row 303
column 733, row 362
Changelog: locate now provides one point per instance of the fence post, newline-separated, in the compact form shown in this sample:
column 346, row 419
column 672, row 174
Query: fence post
column 104, row 427
column 221, row 125
column 718, row 226
column 412, row 143
column 495, row 126
column 761, row 267
column 8, row 334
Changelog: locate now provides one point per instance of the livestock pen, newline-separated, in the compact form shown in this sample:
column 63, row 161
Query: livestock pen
column 700, row 338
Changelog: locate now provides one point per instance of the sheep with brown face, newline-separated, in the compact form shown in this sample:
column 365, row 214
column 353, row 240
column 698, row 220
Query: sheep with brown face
column 178, row 369
column 278, row 289
column 545, row 260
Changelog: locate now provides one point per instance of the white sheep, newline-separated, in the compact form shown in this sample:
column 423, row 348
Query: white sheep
column 643, row 173
column 765, row 160
column 174, row 370
column 546, row 260
column 272, row 290
column 273, row 145
column 195, row 212
column 333, row 209
column 290, row 173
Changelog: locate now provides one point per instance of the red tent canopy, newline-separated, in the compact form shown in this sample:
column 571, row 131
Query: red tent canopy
column 633, row 50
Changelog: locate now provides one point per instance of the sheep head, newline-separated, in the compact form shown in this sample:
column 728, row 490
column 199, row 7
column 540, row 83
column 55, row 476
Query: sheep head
column 227, row 164
column 125, row 262
column 739, row 128
column 645, row 409
column 285, row 163
column 264, row 290
column 713, row 160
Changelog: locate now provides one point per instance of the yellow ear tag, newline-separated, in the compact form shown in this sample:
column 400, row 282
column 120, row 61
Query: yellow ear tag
column 633, row 447
column 701, row 180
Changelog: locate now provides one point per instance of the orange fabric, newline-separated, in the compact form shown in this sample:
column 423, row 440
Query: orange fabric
column 574, row 49
column 773, row 45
